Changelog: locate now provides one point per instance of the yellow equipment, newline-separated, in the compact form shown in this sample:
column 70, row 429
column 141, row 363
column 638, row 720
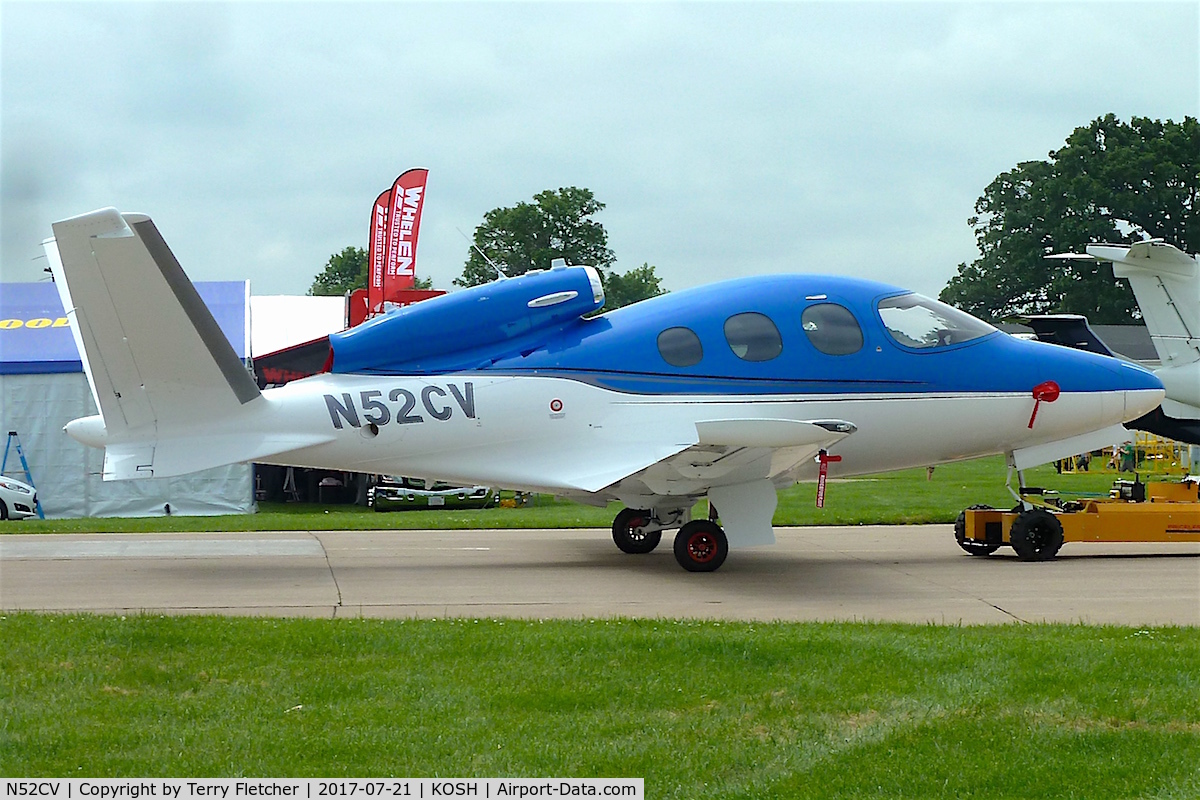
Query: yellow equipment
column 1147, row 453
column 1133, row 512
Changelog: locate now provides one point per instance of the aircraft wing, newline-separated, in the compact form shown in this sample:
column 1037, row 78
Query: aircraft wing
column 731, row 452
column 738, row 463
column 672, row 459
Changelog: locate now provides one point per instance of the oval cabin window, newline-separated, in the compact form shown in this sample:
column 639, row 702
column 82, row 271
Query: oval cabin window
column 753, row 336
column 832, row 329
column 680, row 347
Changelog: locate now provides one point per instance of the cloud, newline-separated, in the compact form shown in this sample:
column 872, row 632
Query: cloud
column 724, row 138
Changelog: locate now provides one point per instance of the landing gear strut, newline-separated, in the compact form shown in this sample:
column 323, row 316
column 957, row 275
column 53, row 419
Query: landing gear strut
column 700, row 545
column 630, row 531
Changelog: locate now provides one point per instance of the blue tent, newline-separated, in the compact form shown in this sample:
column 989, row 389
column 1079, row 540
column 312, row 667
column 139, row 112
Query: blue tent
column 35, row 336
column 42, row 388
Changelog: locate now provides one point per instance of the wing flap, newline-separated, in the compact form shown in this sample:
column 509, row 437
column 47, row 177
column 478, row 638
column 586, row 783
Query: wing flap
column 770, row 432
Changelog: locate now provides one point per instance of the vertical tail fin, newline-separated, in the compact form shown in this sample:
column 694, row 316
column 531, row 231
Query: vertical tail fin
column 1166, row 282
column 157, row 361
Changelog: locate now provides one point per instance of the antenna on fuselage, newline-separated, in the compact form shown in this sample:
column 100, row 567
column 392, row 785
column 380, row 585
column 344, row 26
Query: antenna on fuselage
column 475, row 247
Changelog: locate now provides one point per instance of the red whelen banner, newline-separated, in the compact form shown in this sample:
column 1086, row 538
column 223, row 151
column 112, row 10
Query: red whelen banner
column 403, row 226
column 392, row 250
column 377, row 251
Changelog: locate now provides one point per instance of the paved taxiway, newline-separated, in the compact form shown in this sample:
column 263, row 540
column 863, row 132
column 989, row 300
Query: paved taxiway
column 900, row 573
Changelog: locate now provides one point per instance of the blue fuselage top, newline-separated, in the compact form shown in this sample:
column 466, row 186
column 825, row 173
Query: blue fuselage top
column 776, row 334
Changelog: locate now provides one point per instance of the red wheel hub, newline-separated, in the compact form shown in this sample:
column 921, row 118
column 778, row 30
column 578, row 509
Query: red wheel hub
column 701, row 547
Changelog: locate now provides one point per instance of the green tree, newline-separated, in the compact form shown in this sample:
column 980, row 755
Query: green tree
column 630, row 287
column 1112, row 181
column 347, row 271
column 344, row 272
column 557, row 224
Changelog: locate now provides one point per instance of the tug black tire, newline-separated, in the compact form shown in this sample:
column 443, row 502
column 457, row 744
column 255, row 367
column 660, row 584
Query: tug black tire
column 972, row 546
column 1036, row 535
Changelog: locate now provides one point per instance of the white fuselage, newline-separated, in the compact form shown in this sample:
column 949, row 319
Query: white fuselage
column 564, row 436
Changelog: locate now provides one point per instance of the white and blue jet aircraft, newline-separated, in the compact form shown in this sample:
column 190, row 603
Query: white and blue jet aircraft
column 728, row 391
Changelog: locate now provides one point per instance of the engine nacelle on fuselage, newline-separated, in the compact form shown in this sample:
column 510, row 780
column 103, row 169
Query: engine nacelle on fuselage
column 472, row 328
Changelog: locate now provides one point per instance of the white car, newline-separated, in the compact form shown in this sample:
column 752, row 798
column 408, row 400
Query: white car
column 17, row 499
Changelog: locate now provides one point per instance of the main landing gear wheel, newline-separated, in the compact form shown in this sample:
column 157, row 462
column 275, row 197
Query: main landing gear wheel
column 972, row 546
column 1036, row 535
column 630, row 534
column 701, row 546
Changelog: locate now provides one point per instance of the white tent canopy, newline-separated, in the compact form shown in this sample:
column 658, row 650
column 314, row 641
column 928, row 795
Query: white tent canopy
column 279, row 321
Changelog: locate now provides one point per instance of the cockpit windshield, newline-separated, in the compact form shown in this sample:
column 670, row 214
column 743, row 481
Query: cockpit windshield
column 916, row 321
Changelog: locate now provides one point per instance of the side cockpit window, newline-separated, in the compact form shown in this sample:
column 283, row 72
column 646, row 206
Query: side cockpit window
column 916, row 321
column 680, row 347
column 832, row 329
column 753, row 336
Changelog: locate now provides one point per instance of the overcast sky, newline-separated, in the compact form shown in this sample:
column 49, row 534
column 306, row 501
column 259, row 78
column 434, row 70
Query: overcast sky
column 724, row 139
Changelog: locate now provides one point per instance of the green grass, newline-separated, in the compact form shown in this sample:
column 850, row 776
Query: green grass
column 699, row 709
column 903, row 497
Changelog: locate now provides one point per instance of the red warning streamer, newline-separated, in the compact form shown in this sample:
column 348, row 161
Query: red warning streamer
column 825, row 459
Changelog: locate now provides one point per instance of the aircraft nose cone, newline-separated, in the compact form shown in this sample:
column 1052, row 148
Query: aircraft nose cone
column 1098, row 391
column 1144, row 392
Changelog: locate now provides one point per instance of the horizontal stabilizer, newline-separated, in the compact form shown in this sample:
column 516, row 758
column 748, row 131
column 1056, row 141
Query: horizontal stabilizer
column 1153, row 255
column 1068, row 330
column 172, row 457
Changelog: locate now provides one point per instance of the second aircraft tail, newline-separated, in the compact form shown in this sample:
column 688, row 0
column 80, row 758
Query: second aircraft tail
column 1166, row 282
